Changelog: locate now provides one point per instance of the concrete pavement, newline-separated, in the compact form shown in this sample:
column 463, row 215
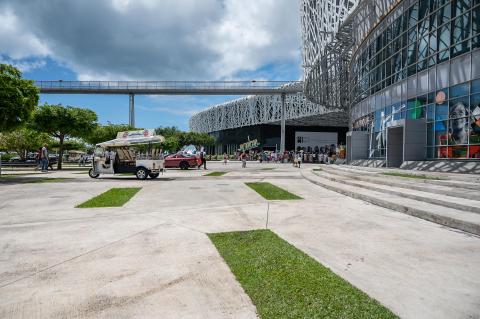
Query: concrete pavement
column 152, row 258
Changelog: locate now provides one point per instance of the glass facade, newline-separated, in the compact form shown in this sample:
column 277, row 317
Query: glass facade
column 422, row 61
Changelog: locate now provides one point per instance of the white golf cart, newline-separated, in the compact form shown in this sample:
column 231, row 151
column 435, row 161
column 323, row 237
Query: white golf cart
column 135, row 152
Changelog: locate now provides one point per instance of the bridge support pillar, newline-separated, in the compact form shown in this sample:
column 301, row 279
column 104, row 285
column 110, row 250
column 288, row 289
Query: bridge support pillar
column 282, row 126
column 131, row 111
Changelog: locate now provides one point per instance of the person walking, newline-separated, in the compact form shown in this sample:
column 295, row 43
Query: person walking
column 204, row 159
column 44, row 158
column 299, row 160
column 225, row 158
column 244, row 159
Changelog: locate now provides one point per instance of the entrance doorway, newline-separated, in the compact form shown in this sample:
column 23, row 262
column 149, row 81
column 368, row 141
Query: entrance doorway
column 394, row 146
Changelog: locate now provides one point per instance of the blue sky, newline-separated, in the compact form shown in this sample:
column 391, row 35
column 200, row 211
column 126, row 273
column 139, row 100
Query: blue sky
column 150, row 40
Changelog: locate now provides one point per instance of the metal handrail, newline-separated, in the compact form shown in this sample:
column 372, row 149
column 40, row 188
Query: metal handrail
column 160, row 84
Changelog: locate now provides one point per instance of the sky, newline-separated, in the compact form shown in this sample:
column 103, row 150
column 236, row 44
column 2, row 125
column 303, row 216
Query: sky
column 150, row 40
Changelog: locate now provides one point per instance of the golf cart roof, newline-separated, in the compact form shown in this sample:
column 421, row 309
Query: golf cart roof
column 130, row 138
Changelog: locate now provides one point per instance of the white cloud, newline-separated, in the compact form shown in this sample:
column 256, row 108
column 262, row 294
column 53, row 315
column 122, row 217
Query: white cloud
column 16, row 40
column 147, row 39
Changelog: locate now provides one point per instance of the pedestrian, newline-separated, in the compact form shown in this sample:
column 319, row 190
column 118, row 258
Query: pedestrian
column 299, row 160
column 244, row 159
column 225, row 158
column 204, row 159
column 44, row 158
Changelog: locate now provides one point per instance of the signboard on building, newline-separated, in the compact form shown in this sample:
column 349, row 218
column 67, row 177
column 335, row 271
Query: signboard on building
column 249, row 145
column 135, row 134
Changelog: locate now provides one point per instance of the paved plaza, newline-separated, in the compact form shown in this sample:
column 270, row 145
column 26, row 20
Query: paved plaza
column 152, row 257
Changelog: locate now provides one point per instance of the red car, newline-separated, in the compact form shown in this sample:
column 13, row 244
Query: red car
column 182, row 161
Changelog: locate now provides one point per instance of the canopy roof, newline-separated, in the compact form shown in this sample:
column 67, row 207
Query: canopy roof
column 121, row 142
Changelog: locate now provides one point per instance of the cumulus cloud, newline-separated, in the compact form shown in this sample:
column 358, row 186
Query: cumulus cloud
column 148, row 39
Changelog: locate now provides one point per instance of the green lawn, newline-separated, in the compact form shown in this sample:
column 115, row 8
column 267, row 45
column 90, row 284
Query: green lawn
column 268, row 168
column 271, row 192
column 216, row 174
column 284, row 282
column 115, row 197
column 418, row 176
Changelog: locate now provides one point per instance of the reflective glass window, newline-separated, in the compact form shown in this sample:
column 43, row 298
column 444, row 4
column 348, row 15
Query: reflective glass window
column 458, row 152
column 443, row 36
column 430, row 112
column 430, row 134
column 423, row 28
column 459, row 90
column 441, row 111
column 474, row 117
column 460, row 32
column 461, row 6
column 474, row 151
column 412, row 36
column 430, row 152
column 475, row 86
column 443, row 14
column 413, row 15
column 423, row 8
column 458, row 123
column 433, row 43
column 412, row 53
column 476, row 27
column 441, row 133
column 433, row 21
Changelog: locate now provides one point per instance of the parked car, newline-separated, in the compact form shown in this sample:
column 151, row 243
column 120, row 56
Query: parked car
column 182, row 161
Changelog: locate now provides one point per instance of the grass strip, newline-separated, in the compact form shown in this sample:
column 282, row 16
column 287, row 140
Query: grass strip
column 272, row 192
column 317, row 169
column 114, row 197
column 216, row 174
column 268, row 168
column 284, row 282
column 417, row 176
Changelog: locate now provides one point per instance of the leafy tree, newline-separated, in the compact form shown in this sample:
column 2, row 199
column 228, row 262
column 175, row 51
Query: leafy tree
column 167, row 131
column 23, row 140
column 171, row 144
column 108, row 132
column 69, row 145
column 175, row 138
column 64, row 122
column 18, row 98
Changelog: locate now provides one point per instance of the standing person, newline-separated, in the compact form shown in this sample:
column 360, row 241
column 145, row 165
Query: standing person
column 225, row 158
column 204, row 159
column 44, row 158
column 244, row 159
column 299, row 160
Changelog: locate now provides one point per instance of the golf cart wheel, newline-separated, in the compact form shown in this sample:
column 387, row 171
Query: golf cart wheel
column 92, row 173
column 141, row 173
column 184, row 165
column 153, row 175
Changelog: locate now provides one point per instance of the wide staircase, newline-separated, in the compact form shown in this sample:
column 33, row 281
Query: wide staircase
column 452, row 201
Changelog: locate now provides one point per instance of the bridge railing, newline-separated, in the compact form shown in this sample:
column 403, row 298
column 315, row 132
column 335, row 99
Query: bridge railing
column 155, row 85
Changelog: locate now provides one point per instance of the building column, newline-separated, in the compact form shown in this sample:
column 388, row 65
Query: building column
column 282, row 126
column 131, row 113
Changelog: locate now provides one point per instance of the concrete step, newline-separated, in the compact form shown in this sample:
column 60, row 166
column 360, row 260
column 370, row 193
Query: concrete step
column 424, row 196
column 445, row 180
column 407, row 183
column 458, row 219
column 468, row 181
